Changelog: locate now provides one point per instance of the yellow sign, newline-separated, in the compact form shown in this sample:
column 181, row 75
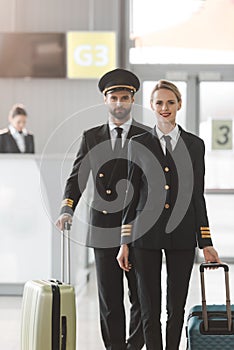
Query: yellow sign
column 90, row 54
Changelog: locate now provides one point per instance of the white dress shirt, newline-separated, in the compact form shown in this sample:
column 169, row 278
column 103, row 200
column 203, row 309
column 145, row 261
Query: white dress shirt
column 174, row 134
column 19, row 138
column 113, row 133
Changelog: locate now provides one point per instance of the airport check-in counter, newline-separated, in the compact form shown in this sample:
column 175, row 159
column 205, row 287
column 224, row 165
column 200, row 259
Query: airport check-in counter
column 31, row 188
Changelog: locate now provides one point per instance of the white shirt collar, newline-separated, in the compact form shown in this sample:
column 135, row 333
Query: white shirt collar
column 174, row 133
column 125, row 126
column 13, row 131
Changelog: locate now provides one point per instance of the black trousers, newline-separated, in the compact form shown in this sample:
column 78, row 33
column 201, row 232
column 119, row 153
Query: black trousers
column 111, row 303
column 148, row 264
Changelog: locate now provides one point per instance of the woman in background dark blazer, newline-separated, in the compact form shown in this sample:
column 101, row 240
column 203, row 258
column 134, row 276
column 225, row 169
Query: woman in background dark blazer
column 165, row 212
column 15, row 138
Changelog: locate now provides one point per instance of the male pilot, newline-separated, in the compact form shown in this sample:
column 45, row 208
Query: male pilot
column 108, row 165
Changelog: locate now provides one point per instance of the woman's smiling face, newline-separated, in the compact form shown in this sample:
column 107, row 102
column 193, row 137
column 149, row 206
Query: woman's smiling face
column 165, row 105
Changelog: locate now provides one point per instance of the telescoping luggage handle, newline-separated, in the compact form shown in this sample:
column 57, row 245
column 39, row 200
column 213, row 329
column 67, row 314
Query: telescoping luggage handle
column 228, row 302
column 65, row 238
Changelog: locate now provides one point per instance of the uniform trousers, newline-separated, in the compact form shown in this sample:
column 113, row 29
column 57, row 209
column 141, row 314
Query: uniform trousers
column 148, row 265
column 111, row 303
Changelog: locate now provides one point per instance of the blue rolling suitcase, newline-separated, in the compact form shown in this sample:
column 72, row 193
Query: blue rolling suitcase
column 211, row 327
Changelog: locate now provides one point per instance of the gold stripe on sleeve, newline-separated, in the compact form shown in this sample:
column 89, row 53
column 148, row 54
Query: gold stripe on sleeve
column 126, row 230
column 67, row 202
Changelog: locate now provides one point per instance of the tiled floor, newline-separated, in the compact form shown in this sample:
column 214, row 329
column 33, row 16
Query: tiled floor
column 88, row 333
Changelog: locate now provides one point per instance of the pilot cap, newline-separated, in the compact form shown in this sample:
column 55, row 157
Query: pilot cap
column 119, row 79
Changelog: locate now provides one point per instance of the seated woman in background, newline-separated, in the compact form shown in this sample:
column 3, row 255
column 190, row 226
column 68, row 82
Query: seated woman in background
column 15, row 138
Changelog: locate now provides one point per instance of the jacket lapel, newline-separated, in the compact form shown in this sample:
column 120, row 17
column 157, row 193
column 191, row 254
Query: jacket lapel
column 103, row 134
column 185, row 137
column 131, row 131
column 26, row 140
column 156, row 146
column 13, row 142
column 134, row 130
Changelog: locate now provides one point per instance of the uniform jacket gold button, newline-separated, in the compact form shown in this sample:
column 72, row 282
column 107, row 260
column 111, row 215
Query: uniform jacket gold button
column 104, row 212
column 101, row 175
column 108, row 191
column 166, row 169
column 166, row 187
column 167, row 206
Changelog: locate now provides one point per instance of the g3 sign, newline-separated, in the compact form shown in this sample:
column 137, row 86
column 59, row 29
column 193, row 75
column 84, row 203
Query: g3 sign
column 222, row 134
column 90, row 54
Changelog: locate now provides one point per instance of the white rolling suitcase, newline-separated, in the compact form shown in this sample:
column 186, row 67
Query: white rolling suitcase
column 49, row 310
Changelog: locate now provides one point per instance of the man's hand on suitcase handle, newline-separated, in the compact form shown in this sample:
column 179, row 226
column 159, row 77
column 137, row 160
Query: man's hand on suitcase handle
column 211, row 255
column 62, row 219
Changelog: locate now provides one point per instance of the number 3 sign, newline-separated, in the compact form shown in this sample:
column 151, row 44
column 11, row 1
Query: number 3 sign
column 90, row 54
column 222, row 134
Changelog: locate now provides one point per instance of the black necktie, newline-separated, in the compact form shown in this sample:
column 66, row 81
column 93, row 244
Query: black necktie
column 168, row 144
column 118, row 141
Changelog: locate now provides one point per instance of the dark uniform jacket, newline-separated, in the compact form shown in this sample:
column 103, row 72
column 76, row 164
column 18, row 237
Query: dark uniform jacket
column 9, row 145
column 96, row 156
column 167, row 209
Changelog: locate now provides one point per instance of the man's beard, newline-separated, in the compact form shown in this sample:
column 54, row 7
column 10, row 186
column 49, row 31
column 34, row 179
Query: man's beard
column 120, row 113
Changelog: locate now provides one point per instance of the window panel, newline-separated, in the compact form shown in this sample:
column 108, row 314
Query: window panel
column 182, row 31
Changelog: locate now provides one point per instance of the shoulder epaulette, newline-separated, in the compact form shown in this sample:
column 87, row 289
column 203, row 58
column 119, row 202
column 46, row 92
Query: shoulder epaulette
column 4, row 131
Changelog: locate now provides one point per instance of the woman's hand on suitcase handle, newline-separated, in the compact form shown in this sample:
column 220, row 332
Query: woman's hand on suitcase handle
column 211, row 255
column 62, row 219
column 122, row 258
